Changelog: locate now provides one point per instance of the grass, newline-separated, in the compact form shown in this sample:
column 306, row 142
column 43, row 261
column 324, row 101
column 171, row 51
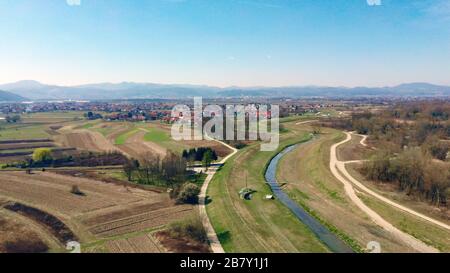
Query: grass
column 156, row 135
column 87, row 126
column 163, row 138
column 12, row 151
column 310, row 183
column 198, row 179
column 51, row 117
column 121, row 139
column 12, row 132
column 256, row 225
column 427, row 233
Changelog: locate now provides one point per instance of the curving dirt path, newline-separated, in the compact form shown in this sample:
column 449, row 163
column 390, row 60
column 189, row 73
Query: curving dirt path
column 305, row 122
column 214, row 242
column 339, row 171
column 388, row 201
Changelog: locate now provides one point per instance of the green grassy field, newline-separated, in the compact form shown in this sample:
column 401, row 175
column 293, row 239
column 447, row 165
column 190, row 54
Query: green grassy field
column 87, row 126
column 257, row 225
column 163, row 138
column 310, row 183
column 156, row 135
column 426, row 232
column 16, row 131
column 121, row 139
column 51, row 117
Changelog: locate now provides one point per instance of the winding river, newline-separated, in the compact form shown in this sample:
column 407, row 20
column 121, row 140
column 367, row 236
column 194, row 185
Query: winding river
column 327, row 237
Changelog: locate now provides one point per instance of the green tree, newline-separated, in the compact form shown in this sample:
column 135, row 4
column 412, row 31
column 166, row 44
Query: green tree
column 189, row 194
column 129, row 167
column 42, row 155
column 207, row 159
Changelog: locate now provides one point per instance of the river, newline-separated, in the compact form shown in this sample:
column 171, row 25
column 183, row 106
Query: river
column 334, row 243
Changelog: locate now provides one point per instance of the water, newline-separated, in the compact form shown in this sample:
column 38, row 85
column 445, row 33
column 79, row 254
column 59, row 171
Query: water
column 327, row 237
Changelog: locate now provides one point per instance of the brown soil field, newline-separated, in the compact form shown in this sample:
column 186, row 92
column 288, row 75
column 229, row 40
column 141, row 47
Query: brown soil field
column 53, row 224
column 152, row 219
column 10, row 159
column 101, row 175
column 139, row 244
column 85, row 140
column 19, row 236
column 16, row 141
column 28, row 145
column 20, row 150
column 52, row 191
column 104, row 210
column 180, row 245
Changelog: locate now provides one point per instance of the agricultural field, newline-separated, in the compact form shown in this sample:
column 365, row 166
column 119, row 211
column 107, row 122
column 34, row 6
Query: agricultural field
column 22, row 131
column 51, row 117
column 106, row 213
column 20, row 150
column 101, row 213
column 21, row 235
column 145, row 243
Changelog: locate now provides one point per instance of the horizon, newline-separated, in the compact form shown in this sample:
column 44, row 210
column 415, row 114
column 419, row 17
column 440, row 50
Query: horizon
column 249, row 43
column 219, row 87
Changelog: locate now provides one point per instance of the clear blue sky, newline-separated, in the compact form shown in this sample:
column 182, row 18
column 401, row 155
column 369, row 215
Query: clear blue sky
column 226, row 42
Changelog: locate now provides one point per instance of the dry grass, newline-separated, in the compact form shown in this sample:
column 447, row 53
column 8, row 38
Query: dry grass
column 145, row 243
column 85, row 140
column 106, row 210
column 310, row 181
column 19, row 237
column 353, row 150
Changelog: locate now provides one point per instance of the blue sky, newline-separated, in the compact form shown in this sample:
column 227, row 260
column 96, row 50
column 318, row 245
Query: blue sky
column 226, row 42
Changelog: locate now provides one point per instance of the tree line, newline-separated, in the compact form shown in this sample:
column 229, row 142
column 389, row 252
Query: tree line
column 198, row 154
column 414, row 172
column 416, row 124
column 169, row 171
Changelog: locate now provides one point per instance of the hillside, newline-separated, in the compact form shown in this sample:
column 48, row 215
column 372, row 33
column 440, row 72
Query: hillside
column 8, row 96
column 129, row 90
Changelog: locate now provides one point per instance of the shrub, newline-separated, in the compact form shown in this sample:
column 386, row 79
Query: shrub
column 191, row 228
column 188, row 194
column 75, row 190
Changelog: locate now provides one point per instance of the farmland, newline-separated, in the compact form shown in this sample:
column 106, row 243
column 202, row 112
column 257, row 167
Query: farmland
column 103, row 211
column 110, row 214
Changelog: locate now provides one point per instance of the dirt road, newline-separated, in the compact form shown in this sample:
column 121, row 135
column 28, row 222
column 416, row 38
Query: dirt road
column 216, row 247
column 386, row 200
column 338, row 167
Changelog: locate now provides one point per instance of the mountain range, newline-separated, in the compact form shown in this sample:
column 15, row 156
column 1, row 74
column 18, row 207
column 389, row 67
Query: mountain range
column 10, row 97
column 33, row 90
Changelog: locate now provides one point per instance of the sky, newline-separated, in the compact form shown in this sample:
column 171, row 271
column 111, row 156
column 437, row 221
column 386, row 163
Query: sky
column 226, row 42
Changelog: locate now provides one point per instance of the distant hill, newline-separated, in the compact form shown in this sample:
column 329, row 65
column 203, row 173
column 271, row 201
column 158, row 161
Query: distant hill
column 8, row 96
column 129, row 90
